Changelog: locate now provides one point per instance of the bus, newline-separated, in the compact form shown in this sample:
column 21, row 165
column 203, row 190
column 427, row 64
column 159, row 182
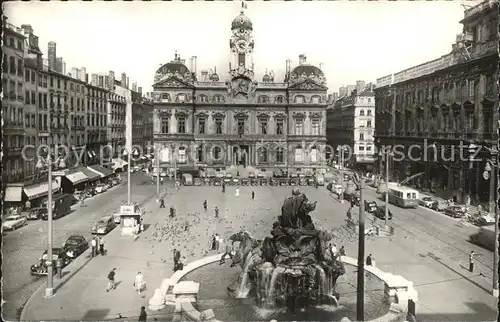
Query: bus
column 484, row 237
column 402, row 196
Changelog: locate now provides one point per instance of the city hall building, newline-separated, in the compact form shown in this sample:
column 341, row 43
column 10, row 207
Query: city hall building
column 204, row 121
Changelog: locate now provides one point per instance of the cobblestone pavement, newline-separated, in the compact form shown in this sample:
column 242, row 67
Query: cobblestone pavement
column 428, row 249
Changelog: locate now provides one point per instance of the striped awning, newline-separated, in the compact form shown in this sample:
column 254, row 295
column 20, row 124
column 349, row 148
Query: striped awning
column 91, row 175
column 41, row 189
column 101, row 171
column 119, row 163
column 77, row 177
column 13, row 194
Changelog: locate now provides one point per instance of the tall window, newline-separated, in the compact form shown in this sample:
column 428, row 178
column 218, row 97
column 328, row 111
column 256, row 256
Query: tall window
column 217, row 154
column 199, row 154
column 361, row 136
column 315, row 99
column 181, row 125
column 368, row 123
column 181, row 158
column 164, row 125
column 313, row 155
column 181, row 98
column 12, row 65
column 263, row 155
column 299, row 99
column 369, row 112
column 299, row 155
column 315, row 127
column 218, row 126
column 241, row 126
column 279, row 155
column 19, row 67
column 280, row 126
column 201, row 126
column 362, row 113
column 263, row 126
column 299, row 127
column 241, row 59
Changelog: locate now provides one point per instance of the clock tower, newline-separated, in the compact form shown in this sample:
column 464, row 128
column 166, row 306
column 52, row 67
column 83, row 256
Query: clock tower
column 241, row 46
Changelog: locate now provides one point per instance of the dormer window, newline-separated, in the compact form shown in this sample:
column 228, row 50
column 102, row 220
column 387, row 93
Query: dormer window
column 263, row 99
column 280, row 100
column 218, row 99
column 299, row 99
column 203, row 98
column 181, row 98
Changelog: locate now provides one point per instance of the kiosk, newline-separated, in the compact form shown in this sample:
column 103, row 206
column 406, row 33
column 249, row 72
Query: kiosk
column 130, row 221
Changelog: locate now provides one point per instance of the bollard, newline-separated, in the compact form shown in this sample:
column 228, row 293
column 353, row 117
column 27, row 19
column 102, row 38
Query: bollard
column 59, row 268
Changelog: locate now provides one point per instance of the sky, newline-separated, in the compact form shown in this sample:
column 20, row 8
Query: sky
column 353, row 40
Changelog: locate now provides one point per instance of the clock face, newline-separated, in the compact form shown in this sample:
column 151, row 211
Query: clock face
column 241, row 45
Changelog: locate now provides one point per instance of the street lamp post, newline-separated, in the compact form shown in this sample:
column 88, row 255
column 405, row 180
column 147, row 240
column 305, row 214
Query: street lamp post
column 360, row 301
column 384, row 186
column 157, row 150
column 49, row 290
column 341, row 166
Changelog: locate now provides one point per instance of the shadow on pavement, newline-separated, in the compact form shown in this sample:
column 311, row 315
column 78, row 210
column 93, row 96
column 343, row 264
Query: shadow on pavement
column 95, row 314
column 438, row 260
column 483, row 313
column 72, row 273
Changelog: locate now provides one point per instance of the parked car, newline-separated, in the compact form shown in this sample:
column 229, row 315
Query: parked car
column 79, row 194
column 439, row 205
column 117, row 217
column 426, row 202
column 14, row 221
column 217, row 182
column 58, row 255
column 370, row 206
column 245, row 181
column 197, row 182
column 114, row 182
column 36, row 213
column 455, row 211
column 481, row 220
column 283, row 182
column 103, row 226
column 337, row 189
column 380, row 213
column 100, row 188
column 75, row 245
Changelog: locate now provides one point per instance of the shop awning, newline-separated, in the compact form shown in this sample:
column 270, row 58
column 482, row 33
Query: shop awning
column 91, row 175
column 101, row 171
column 76, row 177
column 40, row 189
column 13, row 194
column 119, row 163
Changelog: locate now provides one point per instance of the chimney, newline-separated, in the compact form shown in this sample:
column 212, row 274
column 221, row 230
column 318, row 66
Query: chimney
column 330, row 98
column 302, row 59
column 321, row 66
column 28, row 30
column 194, row 65
column 139, row 89
column 128, row 83
column 134, row 86
column 83, row 75
column 52, row 54
column 183, row 61
column 74, row 72
column 204, row 75
column 124, row 80
column 111, row 80
column 191, row 64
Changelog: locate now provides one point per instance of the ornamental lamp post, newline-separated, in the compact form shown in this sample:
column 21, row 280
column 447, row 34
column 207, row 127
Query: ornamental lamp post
column 129, row 197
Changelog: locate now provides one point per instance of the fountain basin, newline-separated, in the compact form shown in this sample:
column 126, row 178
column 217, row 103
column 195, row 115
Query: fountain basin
column 213, row 294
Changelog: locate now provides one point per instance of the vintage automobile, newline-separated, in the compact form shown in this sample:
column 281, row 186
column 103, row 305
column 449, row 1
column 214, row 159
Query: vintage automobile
column 273, row 182
column 58, row 255
column 263, row 182
column 100, row 188
column 245, row 181
column 236, row 181
column 228, row 179
column 75, row 245
column 370, row 206
column 294, row 179
column 283, row 182
column 311, row 181
column 207, row 182
column 352, row 198
column 439, row 205
column 455, row 211
column 426, row 201
column 103, row 226
column 36, row 213
column 302, row 180
column 197, row 182
column 380, row 213
column 217, row 182
column 13, row 222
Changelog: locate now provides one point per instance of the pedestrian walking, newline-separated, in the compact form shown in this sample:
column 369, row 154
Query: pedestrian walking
column 101, row 246
column 111, row 280
column 217, row 241
column 177, row 257
column 205, row 205
column 228, row 252
column 139, row 283
column 172, row 211
column 93, row 244
column 143, row 316
column 237, row 193
column 212, row 242
column 216, row 212
column 253, row 195
column 162, row 203
column 369, row 260
column 97, row 243
column 224, row 188
column 471, row 261
column 342, row 251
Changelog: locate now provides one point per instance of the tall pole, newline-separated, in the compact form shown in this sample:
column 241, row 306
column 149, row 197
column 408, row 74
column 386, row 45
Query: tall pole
column 341, row 156
column 157, row 152
column 386, row 214
column 129, row 198
column 360, row 302
column 175, row 166
column 493, row 177
column 49, row 291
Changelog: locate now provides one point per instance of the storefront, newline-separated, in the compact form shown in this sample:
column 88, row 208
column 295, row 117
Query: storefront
column 73, row 180
column 35, row 193
column 104, row 173
column 93, row 177
column 119, row 165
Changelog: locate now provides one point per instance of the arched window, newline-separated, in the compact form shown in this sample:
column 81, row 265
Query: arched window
column 362, row 113
column 217, row 154
column 315, row 99
column 165, row 98
column 263, row 99
column 299, row 99
column 280, row 99
column 164, row 155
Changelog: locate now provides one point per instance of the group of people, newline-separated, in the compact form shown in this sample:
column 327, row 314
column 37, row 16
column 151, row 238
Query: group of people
column 334, row 253
column 97, row 245
column 139, row 282
column 215, row 242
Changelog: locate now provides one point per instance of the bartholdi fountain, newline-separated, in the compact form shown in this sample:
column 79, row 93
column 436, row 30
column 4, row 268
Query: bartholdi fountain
column 290, row 269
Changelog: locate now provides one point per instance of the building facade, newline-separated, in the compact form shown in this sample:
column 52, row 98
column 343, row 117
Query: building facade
column 441, row 104
column 13, row 103
column 96, row 128
column 351, row 123
column 215, row 123
column 116, row 107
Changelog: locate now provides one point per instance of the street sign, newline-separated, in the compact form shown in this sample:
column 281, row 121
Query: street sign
column 486, row 175
column 58, row 173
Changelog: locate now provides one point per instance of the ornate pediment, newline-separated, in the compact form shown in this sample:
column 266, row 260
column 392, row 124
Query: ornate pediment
column 201, row 115
column 241, row 86
column 218, row 115
column 279, row 115
column 241, row 115
column 263, row 116
column 299, row 115
column 172, row 82
column 308, row 85
column 182, row 114
column 164, row 113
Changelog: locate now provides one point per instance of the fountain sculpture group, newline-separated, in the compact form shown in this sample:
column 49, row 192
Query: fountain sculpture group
column 292, row 268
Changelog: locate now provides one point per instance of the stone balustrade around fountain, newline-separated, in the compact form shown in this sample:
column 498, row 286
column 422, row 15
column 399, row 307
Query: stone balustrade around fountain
column 396, row 286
